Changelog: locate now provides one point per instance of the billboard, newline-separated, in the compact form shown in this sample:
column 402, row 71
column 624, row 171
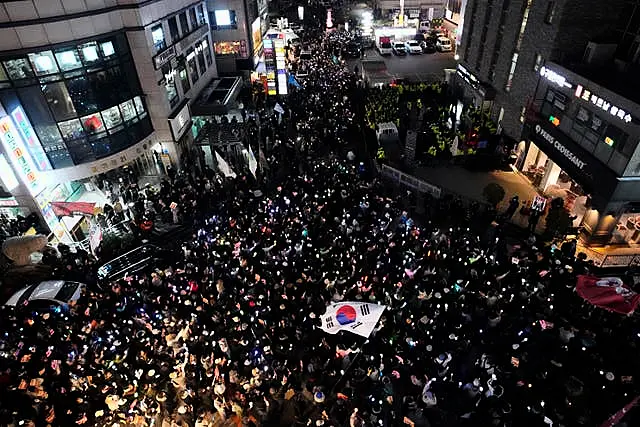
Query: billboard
column 20, row 156
column 256, row 37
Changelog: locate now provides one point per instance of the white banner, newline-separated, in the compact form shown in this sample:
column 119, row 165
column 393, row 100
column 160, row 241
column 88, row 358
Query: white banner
column 224, row 166
column 359, row 318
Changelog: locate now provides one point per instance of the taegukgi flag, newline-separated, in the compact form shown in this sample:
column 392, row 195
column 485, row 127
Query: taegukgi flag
column 357, row 317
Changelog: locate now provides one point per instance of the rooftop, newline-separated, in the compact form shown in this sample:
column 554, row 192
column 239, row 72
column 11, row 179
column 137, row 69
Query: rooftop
column 623, row 81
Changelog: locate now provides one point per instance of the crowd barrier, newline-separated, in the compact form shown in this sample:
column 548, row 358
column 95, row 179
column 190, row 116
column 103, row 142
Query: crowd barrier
column 410, row 181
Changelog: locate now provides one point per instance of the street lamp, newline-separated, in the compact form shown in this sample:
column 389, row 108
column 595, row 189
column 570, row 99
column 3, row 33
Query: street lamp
column 301, row 13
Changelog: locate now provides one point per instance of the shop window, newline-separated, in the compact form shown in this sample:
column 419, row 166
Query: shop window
column 223, row 19
column 192, row 18
column 157, row 36
column 184, row 25
column 173, row 29
column 556, row 99
column 89, row 53
column 184, row 79
column 120, row 141
column 112, row 118
column 107, row 49
column 200, row 15
column 201, row 61
column 207, row 51
column 18, row 68
column 128, row 110
column 59, row 101
column 68, row 59
column 617, row 138
column 93, row 124
column 193, row 68
column 81, row 151
column 71, row 129
column 228, row 48
column 43, row 63
column 82, row 95
column 110, row 87
column 139, row 106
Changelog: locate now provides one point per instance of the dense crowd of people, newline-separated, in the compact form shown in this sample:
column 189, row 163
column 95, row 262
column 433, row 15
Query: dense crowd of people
column 479, row 329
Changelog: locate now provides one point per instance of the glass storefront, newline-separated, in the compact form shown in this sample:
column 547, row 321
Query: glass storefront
column 83, row 101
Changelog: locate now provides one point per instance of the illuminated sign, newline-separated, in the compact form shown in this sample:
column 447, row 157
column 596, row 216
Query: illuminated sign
column 281, row 67
column 19, row 155
column 9, row 180
column 554, row 120
column 467, row 76
column 29, row 136
column 554, row 77
column 618, row 112
column 180, row 123
column 9, row 202
column 609, row 141
column 561, row 148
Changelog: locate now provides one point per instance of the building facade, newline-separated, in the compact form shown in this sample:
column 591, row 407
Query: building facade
column 557, row 77
column 87, row 87
column 427, row 9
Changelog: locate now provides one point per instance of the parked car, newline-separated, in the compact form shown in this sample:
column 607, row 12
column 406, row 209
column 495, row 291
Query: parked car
column 399, row 48
column 443, row 44
column 139, row 259
column 425, row 26
column 47, row 295
column 413, row 47
column 428, row 47
column 384, row 46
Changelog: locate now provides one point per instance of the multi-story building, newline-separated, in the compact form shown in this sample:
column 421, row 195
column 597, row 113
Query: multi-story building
column 89, row 86
column 558, row 76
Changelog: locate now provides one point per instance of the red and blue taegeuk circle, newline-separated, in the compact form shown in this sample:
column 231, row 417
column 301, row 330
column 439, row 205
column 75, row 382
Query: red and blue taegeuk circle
column 346, row 314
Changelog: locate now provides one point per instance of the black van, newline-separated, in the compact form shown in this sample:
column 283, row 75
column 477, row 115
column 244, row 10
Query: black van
column 139, row 259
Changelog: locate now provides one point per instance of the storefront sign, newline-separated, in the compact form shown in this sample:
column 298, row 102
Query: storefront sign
column 8, row 202
column 554, row 77
column 29, row 136
column 560, row 147
column 20, row 156
column 281, row 66
column 256, row 37
column 180, row 123
column 587, row 95
column 8, row 178
column 191, row 38
column 162, row 58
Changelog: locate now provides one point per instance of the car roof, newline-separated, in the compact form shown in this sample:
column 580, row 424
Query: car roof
column 413, row 41
column 441, row 39
column 127, row 261
column 43, row 290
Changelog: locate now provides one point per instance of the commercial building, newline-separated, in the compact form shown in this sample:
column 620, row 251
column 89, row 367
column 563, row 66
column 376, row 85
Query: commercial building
column 559, row 78
column 88, row 87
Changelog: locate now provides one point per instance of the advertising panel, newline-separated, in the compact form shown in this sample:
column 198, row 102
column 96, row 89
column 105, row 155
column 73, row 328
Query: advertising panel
column 20, row 157
column 9, row 180
column 270, row 66
column 29, row 136
column 256, row 37
column 281, row 66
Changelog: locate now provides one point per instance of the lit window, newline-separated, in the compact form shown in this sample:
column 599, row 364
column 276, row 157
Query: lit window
column 512, row 72
column 157, row 35
column 107, row 49
column 538, row 63
column 223, row 18
column 68, row 59
column 139, row 106
column 89, row 53
column 43, row 63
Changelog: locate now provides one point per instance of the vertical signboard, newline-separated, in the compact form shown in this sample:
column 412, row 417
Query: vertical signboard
column 256, row 38
column 20, row 156
column 31, row 139
column 270, row 66
column 281, row 67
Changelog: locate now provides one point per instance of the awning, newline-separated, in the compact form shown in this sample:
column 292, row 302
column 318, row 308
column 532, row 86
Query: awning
column 72, row 208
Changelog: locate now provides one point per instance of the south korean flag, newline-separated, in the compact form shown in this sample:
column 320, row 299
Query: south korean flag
column 359, row 318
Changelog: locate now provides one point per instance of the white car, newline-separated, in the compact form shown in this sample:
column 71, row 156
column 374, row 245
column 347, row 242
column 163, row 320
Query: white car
column 51, row 293
column 413, row 47
column 443, row 44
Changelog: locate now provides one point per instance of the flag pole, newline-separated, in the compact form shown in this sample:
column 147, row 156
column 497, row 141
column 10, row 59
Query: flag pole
column 348, row 368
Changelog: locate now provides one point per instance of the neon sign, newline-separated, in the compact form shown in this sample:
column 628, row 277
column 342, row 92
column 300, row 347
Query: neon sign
column 29, row 136
column 19, row 155
column 618, row 112
column 554, row 77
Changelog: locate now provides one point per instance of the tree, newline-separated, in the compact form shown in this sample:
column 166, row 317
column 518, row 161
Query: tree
column 493, row 193
column 558, row 219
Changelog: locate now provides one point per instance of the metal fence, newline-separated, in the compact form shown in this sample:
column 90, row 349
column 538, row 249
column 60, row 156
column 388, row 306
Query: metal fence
column 410, row 181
